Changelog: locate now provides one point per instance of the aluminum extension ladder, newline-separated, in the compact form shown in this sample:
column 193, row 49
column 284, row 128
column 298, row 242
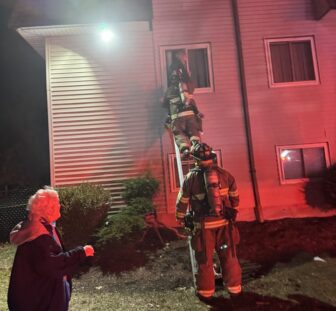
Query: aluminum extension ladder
column 194, row 267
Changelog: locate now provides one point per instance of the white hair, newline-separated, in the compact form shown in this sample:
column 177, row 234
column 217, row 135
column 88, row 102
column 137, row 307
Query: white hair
column 42, row 203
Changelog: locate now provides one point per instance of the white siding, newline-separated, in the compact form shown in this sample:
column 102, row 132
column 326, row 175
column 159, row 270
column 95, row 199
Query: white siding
column 178, row 22
column 102, row 110
column 287, row 115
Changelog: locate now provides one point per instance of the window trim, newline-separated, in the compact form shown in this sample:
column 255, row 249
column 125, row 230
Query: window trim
column 171, row 168
column 271, row 82
column 281, row 171
column 190, row 46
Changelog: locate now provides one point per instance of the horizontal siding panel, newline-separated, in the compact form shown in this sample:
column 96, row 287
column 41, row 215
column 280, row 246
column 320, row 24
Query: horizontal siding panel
column 100, row 107
column 284, row 116
column 182, row 23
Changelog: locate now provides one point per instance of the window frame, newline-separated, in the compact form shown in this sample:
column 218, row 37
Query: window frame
column 272, row 84
column 172, row 167
column 281, row 171
column 187, row 47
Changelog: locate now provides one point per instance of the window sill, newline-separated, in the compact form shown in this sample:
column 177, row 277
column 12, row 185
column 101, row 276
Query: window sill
column 292, row 84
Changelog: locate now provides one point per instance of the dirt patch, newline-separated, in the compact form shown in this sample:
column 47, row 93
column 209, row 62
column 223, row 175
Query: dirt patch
column 281, row 240
column 287, row 265
column 120, row 256
column 263, row 244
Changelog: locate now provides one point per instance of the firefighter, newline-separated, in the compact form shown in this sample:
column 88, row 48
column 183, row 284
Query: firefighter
column 184, row 119
column 211, row 195
column 179, row 65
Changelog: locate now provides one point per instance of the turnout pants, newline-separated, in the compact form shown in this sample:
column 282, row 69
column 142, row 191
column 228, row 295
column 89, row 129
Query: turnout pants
column 205, row 242
column 186, row 131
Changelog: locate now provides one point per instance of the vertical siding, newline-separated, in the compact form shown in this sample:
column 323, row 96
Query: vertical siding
column 287, row 115
column 102, row 114
column 178, row 22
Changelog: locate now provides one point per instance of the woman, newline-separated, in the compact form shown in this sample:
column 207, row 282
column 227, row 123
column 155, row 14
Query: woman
column 40, row 278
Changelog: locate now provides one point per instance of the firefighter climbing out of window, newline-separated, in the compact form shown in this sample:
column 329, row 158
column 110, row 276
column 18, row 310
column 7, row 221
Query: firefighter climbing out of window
column 185, row 120
column 210, row 194
column 179, row 65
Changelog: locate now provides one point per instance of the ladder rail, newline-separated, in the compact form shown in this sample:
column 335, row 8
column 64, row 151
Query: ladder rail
column 193, row 262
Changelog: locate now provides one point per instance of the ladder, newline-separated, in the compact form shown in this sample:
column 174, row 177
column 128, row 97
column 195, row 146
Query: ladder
column 193, row 262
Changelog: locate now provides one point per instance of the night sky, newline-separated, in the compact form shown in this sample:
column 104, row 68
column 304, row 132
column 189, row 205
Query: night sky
column 24, row 151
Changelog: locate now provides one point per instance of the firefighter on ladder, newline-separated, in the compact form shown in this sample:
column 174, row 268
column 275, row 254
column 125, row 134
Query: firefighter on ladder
column 211, row 194
column 185, row 121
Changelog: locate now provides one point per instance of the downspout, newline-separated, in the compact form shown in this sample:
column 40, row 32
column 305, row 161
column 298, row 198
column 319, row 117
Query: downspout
column 242, row 77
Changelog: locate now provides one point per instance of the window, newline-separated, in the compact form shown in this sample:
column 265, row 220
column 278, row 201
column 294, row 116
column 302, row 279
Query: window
column 300, row 162
column 186, row 167
column 198, row 65
column 291, row 61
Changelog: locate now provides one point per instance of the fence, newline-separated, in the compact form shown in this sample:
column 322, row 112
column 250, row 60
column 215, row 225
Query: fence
column 13, row 203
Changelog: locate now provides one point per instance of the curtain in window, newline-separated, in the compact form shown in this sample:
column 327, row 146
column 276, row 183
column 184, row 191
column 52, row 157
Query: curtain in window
column 314, row 161
column 303, row 68
column 281, row 62
column 292, row 61
column 199, row 68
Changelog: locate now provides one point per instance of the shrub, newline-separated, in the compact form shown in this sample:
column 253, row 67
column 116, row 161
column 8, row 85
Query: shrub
column 140, row 187
column 84, row 209
column 321, row 193
column 138, row 195
column 329, row 181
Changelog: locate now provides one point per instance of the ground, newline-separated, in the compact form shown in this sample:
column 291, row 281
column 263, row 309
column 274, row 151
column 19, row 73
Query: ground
column 287, row 265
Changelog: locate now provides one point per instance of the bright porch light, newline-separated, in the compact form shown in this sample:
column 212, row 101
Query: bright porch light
column 106, row 33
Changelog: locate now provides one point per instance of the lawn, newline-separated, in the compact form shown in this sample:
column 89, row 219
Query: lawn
column 280, row 273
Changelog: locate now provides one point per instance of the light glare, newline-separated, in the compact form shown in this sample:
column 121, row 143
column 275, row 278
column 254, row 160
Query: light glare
column 106, row 35
column 284, row 154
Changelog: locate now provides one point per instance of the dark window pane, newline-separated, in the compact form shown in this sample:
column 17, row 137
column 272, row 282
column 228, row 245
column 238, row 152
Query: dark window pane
column 281, row 62
column 314, row 161
column 303, row 67
column 292, row 162
column 199, row 67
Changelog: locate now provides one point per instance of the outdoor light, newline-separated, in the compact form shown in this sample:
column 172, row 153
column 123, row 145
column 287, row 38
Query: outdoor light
column 106, row 33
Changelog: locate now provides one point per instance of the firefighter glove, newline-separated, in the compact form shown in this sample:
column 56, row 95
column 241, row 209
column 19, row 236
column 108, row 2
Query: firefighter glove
column 230, row 213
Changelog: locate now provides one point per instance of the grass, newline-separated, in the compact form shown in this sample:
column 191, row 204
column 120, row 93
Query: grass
column 6, row 259
column 153, row 287
column 165, row 283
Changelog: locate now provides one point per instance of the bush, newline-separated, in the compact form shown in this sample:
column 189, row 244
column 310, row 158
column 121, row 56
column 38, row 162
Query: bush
column 321, row 193
column 138, row 195
column 84, row 209
column 140, row 187
column 329, row 181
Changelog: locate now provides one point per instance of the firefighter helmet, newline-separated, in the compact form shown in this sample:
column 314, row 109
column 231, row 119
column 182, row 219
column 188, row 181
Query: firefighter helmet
column 202, row 152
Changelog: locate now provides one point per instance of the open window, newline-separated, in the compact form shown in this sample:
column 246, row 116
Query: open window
column 198, row 65
column 298, row 163
column 291, row 61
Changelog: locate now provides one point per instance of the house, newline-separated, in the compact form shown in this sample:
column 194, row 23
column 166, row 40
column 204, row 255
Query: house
column 265, row 79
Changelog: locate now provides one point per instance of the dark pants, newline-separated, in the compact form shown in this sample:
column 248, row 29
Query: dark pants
column 67, row 295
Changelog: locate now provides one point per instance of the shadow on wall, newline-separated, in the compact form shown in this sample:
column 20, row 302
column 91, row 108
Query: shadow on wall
column 321, row 193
